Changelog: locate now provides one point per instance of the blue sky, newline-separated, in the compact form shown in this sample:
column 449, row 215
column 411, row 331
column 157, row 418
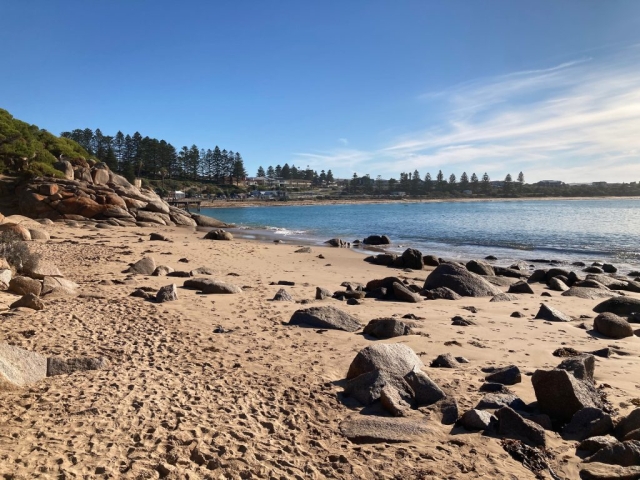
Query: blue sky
column 550, row 88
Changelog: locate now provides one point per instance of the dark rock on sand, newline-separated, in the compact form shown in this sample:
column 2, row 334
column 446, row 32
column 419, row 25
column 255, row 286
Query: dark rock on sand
column 442, row 293
column 325, row 317
column 377, row 240
column 480, row 267
column 24, row 285
column 625, row 454
column 588, row 422
column 412, row 258
column 602, row 471
column 476, row 419
column 218, row 234
column 367, row 388
column 460, row 280
column 145, row 266
column 551, row 314
column 168, row 293
column 612, row 326
column 64, row 366
column 426, row 391
column 282, row 296
column 622, row 306
column 445, row 360
column 593, row 444
column 211, row 286
column 384, row 328
column 374, row 429
column 507, row 375
column 403, row 294
column 28, row 301
column 493, row 401
column 581, row 366
column 504, row 297
column 520, row 287
column 513, row 425
column 396, row 359
column 322, row 293
column 628, row 424
column 588, row 293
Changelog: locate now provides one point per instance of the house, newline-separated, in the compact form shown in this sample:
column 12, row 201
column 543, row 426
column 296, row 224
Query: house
column 177, row 194
column 550, row 183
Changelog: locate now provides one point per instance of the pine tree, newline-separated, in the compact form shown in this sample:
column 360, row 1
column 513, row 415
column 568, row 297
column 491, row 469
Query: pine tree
column 428, row 183
column 329, row 176
column 440, row 180
column 239, row 171
column 474, row 178
column 119, row 150
column 486, row 185
column 261, row 172
column 217, row 164
column 452, row 179
column 271, row 173
column 521, row 178
column 286, row 171
column 464, row 181
column 278, row 171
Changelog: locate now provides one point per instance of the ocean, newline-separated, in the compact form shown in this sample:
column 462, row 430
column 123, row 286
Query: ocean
column 605, row 230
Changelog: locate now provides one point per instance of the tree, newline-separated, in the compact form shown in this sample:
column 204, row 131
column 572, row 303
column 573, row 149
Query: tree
column 217, row 163
column 521, row 178
column 323, row 177
column 278, row 171
column 452, row 180
column 271, row 173
column 508, row 181
column 474, row 179
column 286, row 171
column 238, row 168
column 261, row 172
column 486, row 185
column 464, row 181
column 415, row 182
column 440, row 180
column 428, row 183
column 329, row 176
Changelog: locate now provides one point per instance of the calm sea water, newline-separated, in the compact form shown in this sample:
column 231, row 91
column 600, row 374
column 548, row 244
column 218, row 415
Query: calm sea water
column 586, row 230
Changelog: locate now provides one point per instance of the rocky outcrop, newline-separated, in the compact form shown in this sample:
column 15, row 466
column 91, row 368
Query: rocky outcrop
column 99, row 194
column 325, row 317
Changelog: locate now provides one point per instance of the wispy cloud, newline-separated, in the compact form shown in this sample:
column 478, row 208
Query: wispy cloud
column 578, row 121
column 343, row 141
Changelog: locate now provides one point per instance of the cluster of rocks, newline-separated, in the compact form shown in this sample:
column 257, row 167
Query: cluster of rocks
column 93, row 192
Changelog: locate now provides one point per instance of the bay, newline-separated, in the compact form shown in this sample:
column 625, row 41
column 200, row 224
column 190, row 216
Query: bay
column 569, row 230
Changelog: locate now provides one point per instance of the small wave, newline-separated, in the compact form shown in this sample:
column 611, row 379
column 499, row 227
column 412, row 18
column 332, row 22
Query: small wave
column 285, row 231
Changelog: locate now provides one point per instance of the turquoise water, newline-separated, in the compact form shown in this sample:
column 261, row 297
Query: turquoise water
column 568, row 230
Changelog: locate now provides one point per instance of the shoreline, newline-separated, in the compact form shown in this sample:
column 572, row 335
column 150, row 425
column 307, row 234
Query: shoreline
column 295, row 203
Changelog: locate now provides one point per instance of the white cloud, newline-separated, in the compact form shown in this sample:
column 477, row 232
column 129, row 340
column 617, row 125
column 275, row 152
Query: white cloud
column 578, row 121
column 343, row 141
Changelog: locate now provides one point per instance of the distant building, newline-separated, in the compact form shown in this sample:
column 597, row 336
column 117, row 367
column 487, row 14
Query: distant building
column 550, row 183
column 177, row 194
column 599, row 184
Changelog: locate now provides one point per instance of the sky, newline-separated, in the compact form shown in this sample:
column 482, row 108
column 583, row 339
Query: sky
column 550, row 88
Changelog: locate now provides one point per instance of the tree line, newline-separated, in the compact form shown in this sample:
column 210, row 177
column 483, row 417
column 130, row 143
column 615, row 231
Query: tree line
column 292, row 172
column 138, row 156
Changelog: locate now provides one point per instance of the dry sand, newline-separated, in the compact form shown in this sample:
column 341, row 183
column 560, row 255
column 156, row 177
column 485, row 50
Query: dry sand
column 180, row 401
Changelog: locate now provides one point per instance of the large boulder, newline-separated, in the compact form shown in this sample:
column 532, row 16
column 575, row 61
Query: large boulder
column 58, row 286
column 384, row 328
column 588, row 293
column 506, row 375
column 443, row 293
column 628, row 424
column 205, row 221
column 512, row 425
column 209, row 285
column 588, row 422
column 425, row 390
column 367, row 388
column 375, row 429
column 144, row 266
column 37, row 267
column 19, row 367
column 396, row 359
column 325, row 317
column 623, row 306
column 480, row 267
column 520, row 287
column 218, row 234
column 560, row 395
column 460, row 280
column 612, row 326
column 23, row 285
column 412, row 258
column 168, row 293
column 377, row 240
column 65, row 167
column 403, row 294
column 603, row 471
column 625, row 454
column 581, row 366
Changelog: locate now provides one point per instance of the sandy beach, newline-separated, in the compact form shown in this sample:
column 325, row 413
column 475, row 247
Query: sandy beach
column 263, row 399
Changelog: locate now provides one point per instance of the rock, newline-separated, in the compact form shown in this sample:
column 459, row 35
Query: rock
column 58, row 286
column 493, row 401
column 384, row 328
column 537, row 276
column 145, row 266
column 384, row 259
column 183, row 220
column 504, row 297
column 38, row 234
column 168, row 293
column 462, row 322
column 625, row 454
column 517, row 315
column 476, row 419
column 555, row 272
column 65, row 366
column 622, row 306
column 520, row 287
column 322, row 293
column 480, row 267
column 140, row 293
column 412, row 258
column 65, row 167
column 430, row 260
column 593, row 444
column 403, row 294
column 588, row 422
column 628, row 424
column 443, row 293
column 608, row 268
column 325, row 317
column 13, row 232
column 374, row 429
column 396, row 359
column 386, row 282
column 560, row 395
column 612, row 326
column 353, row 301
column 392, row 403
column 282, row 296
column 377, row 240
column 581, row 366
column 5, row 278
column 37, row 267
column 447, row 409
column 25, row 285
column 512, row 425
column 633, row 435
column 507, row 375
column 100, row 176
column 19, row 367
column 367, row 388
column 205, row 221
column 158, row 206
column 211, row 286
column 587, row 293
column 162, row 271
column 460, row 280
column 112, row 211
column 28, row 301
column 218, row 234
column 489, row 387
column 445, row 360
column 159, row 237
column 426, row 391
column 602, row 471
column 202, row 271
column 551, row 314
column 336, row 242
column 303, row 250
column 48, row 189
column 558, row 285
